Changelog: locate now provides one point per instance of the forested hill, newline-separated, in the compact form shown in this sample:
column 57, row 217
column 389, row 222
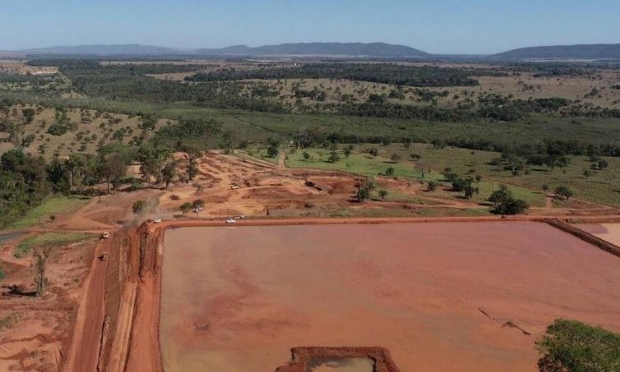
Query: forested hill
column 374, row 50
column 589, row 51
column 371, row 50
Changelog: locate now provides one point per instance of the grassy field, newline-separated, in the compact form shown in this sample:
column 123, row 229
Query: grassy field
column 53, row 206
column 524, row 86
column 600, row 187
column 48, row 240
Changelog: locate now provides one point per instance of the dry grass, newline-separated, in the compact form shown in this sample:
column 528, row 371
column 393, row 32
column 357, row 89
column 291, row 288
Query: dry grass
column 84, row 139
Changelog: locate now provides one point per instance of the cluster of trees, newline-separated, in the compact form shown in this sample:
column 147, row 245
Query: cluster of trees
column 569, row 345
column 385, row 73
column 466, row 185
column 505, row 203
column 23, row 184
column 551, row 154
column 25, row 180
column 196, row 205
column 363, row 192
column 130, row 83
column 46, row 85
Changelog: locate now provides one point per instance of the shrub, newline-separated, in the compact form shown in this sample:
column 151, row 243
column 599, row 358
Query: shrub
column 333, row 157
column 383, row 194
column 563, row 192
column 57, row 129
column 186, row 207
column 432, row 185
column 138, row 206
column 573, row 346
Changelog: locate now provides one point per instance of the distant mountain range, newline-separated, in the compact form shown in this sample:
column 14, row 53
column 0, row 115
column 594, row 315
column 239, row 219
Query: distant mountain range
column 367, row 50
column 372, row 50
column 105, row 50
column 377, row 50
column 585, row 51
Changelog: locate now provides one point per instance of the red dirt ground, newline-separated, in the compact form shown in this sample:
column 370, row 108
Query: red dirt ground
column 117, row 325
column 437, row 296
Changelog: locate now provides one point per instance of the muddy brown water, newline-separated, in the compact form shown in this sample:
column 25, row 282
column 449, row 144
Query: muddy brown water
column 436, row 295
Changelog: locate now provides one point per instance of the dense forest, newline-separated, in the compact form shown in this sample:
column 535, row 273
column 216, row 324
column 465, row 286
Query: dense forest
column 418, row 76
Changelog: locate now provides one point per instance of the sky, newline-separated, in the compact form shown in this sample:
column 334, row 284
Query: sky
column 439, row 26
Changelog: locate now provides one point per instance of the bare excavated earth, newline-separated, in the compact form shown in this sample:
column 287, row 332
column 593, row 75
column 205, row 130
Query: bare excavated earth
column 387, row 289
column 239, row 298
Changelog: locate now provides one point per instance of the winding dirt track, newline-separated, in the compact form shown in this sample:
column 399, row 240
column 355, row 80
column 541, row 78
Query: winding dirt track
column 117, row 328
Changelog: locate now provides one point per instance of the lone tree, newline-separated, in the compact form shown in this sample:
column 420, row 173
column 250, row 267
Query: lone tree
column 333, row 156
column 274, row 147
column 169, row 172
column 185, row 207
column 383, row 194
column 395, row 157
column 39, row 264
column 192, row 158
column 390, row 171
column 374, row 152
column 362, row 194
column 563, row 192
column 198, row 203
column 347, row 151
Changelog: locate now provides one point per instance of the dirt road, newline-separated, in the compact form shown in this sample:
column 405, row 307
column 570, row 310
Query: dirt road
column 89, row 322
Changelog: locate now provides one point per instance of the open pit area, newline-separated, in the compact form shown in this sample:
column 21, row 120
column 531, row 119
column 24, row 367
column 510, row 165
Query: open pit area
column 437, row 296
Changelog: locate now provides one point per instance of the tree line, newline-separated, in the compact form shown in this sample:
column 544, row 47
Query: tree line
column 384, row 73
